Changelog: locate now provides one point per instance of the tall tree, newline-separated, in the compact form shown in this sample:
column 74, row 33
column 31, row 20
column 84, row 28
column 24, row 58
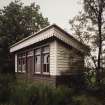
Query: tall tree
column 83, row 31
column 91, row 25
column 95, row 10
column 16, row 22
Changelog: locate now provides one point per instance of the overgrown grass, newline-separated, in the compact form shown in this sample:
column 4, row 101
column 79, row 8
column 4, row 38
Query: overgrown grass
column 27, row 93
column 39, row 94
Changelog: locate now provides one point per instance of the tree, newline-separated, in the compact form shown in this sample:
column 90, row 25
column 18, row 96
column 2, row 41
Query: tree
column 79, row 26
column 83, row 31
column 92, row 26
column 95, row 10
column 17, row 22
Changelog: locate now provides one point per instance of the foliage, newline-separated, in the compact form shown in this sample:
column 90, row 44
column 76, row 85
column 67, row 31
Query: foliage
column 83, row 30
column 27, row 93
column 6, row 80
column 4, row 54
column 88, row 27
column 95, row 10
column 79, row 25
column 86, row 99
column 16, row 22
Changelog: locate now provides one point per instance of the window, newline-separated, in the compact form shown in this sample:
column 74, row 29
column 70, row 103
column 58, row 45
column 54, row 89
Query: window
column 37, row 61
column 30, row 67
column 19, row 63
column 42, row 60
column 46, row 60
column 22, row 62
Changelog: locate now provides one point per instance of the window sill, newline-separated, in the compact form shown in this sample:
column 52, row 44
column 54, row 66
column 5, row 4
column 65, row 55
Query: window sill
column 36, row 73
column 45, row 73
column 21, row 72
column 41, row 74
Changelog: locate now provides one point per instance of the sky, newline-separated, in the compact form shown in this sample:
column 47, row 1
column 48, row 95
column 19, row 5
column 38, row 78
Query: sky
column 57, row 11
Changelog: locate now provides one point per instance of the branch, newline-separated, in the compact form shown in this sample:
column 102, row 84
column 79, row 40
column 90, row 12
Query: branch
column 92, row 8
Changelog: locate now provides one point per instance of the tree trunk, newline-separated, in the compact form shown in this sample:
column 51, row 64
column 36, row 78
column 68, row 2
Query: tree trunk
column 98, row 77
column 99, row 59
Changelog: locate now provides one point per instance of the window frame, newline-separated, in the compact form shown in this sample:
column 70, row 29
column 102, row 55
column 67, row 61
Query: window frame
column 35, row 55
column 43, row 54
column 30, row 56
column 19, row 62
column 23, row 58
column 20, row 59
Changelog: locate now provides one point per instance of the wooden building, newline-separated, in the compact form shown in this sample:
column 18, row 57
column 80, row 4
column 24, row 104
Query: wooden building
column 51, row 55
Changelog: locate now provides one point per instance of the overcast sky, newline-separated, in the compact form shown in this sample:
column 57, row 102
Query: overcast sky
column 57, row 11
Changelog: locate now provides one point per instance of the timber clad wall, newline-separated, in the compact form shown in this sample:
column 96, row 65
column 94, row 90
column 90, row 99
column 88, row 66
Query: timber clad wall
column 68, row 60
column 63, row 58
column 53, row 61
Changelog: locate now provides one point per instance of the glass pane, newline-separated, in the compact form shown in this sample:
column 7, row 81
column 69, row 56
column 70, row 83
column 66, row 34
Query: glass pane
column 19, row 65
column 37, row 51
column 44, row 68
column 19, row 61
column 23, row 64
column 38, row 63
column 23, row 55
column 46, row 59
column 46, row 49
column 19, row 68
column 30, row 64
column 48, row 67
column 38, row 59
column 46, row 63
column 19, row 55
column 37, row 68
column 30, row 53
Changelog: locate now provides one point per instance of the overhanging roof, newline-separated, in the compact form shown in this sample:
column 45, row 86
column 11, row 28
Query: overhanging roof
column 50, row 31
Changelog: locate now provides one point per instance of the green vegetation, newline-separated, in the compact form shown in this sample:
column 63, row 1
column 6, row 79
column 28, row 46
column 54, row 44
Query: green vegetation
column 17, row 22
column 14, row 92
column 27, row 93
column 88, row 27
